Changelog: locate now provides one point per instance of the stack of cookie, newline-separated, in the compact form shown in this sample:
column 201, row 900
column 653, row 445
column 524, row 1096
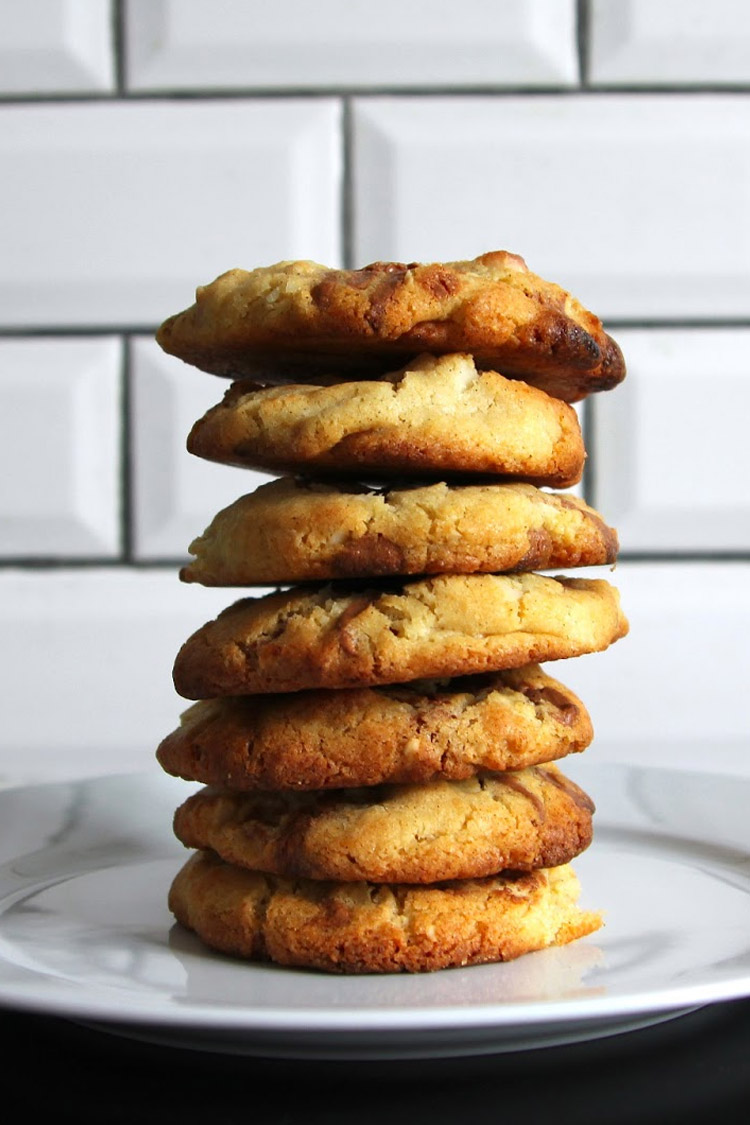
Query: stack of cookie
column 376, row 740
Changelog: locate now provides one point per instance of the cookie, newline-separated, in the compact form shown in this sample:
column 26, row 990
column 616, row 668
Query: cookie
column 423, row 833
column 370, row 928
column 296, row 321
column 439, row 417
column 366, row 736
column 444, row 626
column 290, row 530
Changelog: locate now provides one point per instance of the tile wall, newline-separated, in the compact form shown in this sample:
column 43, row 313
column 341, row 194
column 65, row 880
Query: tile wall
column 148, row 145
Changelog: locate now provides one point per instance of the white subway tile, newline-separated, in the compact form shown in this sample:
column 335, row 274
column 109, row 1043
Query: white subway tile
column 56, row 47
column 60, row 447
column 113, row 213
column 671, row 460
column 175, row 495
column 229, row 44
column 86, row 666
column 637, row 204
column 669, row 42
column 673, row 692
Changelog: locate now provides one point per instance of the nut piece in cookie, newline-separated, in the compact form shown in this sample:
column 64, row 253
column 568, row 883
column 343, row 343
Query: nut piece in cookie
column 299, row 320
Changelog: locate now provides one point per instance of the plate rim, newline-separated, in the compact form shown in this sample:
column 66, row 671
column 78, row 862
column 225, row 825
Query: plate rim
column 57, row 996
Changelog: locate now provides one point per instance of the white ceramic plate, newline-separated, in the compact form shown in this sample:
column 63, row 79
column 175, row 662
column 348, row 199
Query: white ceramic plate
column 85, row 932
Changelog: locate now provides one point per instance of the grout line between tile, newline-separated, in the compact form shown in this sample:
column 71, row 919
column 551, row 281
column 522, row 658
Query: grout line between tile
column 36, row 331
column 118, row 45
column 587, row 481
column 89, row 563
column 583, row 24
column 14, row 332
column 590, row 90
column 616, row 323
column 676, row 556
column 126, row 453
column 347, row 185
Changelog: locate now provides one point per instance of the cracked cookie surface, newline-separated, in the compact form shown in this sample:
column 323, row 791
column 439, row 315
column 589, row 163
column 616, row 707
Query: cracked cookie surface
column 299, row 320
column 291, row 530
column 438, row 417
column 423, row 833
column 366, row 736
column 445, row 626
column 368, row 928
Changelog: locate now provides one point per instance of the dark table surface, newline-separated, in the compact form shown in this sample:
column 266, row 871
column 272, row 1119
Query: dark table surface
column 693, row 1068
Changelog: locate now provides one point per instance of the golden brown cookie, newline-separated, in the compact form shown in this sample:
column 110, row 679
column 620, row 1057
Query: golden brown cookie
column 291, row 530
column 449, row 625
column 370, row 928
column 295, row 321
column 367, row 736
column 439, row 417
column 424, row 833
